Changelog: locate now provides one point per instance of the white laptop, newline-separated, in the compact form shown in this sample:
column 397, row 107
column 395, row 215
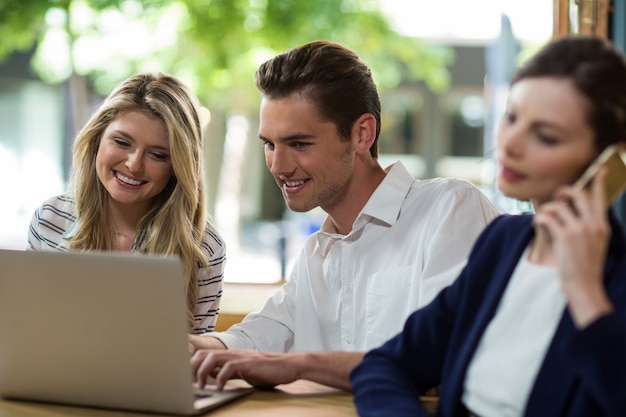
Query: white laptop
column 100, row 330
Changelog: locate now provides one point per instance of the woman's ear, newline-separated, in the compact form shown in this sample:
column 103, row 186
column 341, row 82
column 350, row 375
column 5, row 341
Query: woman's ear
column 364, row 133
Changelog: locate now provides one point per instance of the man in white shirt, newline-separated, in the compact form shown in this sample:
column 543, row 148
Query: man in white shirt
column 390, row 242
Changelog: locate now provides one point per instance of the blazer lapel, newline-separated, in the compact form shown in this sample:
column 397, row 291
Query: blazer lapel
column 485, row 306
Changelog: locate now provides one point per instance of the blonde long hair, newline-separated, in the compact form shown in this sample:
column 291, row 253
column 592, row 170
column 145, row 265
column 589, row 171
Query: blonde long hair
column 176, row 221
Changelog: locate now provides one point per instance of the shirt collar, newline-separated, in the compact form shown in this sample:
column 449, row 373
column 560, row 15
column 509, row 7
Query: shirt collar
column 383, row 205
column 387, row 199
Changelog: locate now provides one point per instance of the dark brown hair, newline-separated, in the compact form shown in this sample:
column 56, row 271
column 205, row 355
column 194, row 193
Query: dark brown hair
column 332, row 77
column 597, row 70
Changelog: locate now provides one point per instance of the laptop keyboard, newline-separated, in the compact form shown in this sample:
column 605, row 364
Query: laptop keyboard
column 203, row 392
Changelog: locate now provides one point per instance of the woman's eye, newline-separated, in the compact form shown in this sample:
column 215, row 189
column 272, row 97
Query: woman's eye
column 546, row 139
column 121, row 143
column 159, row 156
column 509, row 118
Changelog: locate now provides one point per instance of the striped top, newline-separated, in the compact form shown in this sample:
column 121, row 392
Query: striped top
column 54, row 222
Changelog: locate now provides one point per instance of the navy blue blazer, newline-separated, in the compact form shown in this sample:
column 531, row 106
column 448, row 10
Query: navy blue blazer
column 582, row 375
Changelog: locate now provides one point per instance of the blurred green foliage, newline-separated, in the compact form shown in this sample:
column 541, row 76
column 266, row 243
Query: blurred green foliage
column 217, row 44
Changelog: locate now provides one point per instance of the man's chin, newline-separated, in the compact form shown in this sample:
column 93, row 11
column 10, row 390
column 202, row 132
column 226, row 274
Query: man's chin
column 299, row 208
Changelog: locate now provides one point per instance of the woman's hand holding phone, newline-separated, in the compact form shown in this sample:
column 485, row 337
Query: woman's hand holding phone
column 615, row 179
column 577, row 223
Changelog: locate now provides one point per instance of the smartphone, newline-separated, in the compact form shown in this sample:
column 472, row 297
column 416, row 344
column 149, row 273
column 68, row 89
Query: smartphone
column 615, row 180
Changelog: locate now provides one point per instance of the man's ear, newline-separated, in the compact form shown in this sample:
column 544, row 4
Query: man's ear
column 364, row 133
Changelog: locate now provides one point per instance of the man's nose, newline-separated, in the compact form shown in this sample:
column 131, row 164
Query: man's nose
column 279, row 162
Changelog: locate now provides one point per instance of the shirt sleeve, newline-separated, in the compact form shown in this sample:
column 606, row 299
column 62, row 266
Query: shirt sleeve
column 210, row 282
column 50, row 223
column 599, row 352
column 269, row 330
column 461, row 215
column 34, row 234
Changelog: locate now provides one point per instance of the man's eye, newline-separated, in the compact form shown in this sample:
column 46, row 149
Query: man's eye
column 300, row 145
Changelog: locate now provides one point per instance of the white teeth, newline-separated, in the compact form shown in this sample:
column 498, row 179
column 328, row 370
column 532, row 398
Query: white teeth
column 127, row 180
column 293, row 183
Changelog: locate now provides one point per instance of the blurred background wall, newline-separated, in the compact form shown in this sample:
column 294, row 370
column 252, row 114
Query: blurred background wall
column 442, row 68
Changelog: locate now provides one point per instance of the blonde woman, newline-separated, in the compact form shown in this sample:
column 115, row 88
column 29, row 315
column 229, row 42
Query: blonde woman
column 137, row 185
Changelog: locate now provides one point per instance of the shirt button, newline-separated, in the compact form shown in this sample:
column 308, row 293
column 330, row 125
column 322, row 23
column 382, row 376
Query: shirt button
column 348, row 290
column 347, row 340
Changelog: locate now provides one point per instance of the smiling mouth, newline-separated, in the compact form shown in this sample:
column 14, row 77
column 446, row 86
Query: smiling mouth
column 293, row 184
column 127, row 180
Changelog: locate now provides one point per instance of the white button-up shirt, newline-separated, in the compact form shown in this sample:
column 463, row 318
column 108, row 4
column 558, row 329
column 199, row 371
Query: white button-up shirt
column 353, row 292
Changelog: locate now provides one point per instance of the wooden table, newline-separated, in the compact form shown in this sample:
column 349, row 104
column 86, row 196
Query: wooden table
column 302, row 399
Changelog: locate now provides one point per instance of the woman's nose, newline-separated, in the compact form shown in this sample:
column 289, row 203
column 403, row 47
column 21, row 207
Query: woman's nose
column 510, row 139
column 134, row 161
